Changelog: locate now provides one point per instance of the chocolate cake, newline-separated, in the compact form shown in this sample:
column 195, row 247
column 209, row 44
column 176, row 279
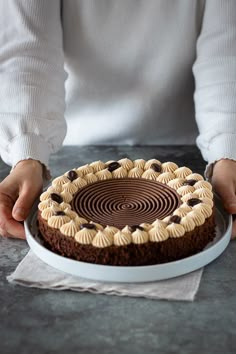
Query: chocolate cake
column 127, row 213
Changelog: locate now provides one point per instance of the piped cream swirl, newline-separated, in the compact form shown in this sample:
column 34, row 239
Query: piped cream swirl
column 69, row 229
column 158, row 234
column 102, row 240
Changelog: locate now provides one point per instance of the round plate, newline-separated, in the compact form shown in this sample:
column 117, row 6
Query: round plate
column 133, row 274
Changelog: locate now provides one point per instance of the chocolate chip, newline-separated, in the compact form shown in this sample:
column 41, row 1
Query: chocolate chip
column 88, row 226
column 71, row 175
column 135, row 227
column 189, row 182
column 155, row 167
column 56, row 197
column 113, row 166
column 176, row 219
column 193, row 201
column 60, row 213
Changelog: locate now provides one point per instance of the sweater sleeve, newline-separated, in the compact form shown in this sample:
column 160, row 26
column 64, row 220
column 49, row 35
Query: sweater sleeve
column 32, row 76
column 215, row 79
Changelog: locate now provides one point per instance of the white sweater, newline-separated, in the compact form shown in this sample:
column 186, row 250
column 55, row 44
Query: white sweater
column 130, row 67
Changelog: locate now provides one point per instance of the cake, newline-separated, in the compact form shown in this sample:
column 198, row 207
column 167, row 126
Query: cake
column 127, row 213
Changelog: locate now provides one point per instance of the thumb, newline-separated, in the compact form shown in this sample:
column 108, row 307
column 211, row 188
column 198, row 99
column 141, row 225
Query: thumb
column 227, row 193
column 24, row 203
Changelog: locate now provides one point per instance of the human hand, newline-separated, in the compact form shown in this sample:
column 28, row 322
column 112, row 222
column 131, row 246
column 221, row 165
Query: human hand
column 224, row 183
column 18, row 191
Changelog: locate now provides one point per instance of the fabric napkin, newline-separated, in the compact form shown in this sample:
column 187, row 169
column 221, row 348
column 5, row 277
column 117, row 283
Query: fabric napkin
column 32, row 272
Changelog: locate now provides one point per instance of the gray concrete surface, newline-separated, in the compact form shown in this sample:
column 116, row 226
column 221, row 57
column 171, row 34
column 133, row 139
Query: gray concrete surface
column 41, row 321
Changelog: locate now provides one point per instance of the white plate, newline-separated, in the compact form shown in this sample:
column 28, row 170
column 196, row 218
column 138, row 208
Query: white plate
column 133, row 274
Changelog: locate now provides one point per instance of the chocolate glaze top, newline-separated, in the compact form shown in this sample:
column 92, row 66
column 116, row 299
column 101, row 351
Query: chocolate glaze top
column 125, row 201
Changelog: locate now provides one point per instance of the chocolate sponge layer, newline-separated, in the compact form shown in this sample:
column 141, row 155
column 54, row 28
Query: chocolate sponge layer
column 131, row 255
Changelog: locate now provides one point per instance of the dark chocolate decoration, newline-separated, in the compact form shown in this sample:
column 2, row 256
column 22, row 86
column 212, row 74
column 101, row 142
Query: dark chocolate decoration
column 193, row 201
column 113, row 166
column 135, row 227
column 60, row 213
column 176, row 219
column 71, row 175
column 155, row 167
column 88, row 226
column 125, row 201
column 56, row 198
column 189, row 182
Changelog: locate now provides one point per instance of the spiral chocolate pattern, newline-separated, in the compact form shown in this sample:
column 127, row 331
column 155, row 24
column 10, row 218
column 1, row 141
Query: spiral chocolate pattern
column 125, row 201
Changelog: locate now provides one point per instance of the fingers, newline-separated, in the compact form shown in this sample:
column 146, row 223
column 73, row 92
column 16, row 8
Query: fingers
column 25, row 201
column 8, row 226
column 18, row 192
column 227, row 193
column 224, row 183
column 17, row 231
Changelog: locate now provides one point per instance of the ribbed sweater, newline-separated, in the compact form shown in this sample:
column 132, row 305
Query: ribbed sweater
column 117, row 72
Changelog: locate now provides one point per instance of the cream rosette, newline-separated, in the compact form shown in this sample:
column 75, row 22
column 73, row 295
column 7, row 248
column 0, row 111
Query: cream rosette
column 55, row 189
column 159, row 222
column 150, row 174
column 204, row 208
column 59, row 181
column 48, row 212
column 194, row 176
column 135, row 172
column 65, row 206
column 208, row 201
column 85, row 236
column 203, row 184
column 67, row 197
column 165, row 177
column 120, row 172
column 90, row 178
column 188, row 196
column 126, row 163
column 103, row 175
column 139, row 163
column 149, row 163
column 175, row 230
column 79, row 220
column 69, row 187
column 139, row 236
column 122, row 238
column 158, row 233
column 97, row 166
column 46, row 195
column 72, row 214
column 197, row 217
column 111, row 230
column 102, row 240
column 146, row 226
column 169, row 166
column 185, row 190
column 183, row 210
column 204, row 192
column 69, row 229
column 46, row 204
column 80, row 182
column 182, row 172
column 56, row 221
column 176, row 183
column 85, row 169
column 188, row 223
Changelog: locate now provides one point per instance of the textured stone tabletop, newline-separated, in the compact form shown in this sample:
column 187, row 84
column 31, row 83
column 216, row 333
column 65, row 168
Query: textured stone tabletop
column 43, row 321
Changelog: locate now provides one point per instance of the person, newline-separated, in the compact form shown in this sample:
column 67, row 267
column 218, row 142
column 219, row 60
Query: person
column 130, row 72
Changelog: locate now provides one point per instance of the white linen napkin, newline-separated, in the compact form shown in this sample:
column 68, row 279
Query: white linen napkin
column 32, row 272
